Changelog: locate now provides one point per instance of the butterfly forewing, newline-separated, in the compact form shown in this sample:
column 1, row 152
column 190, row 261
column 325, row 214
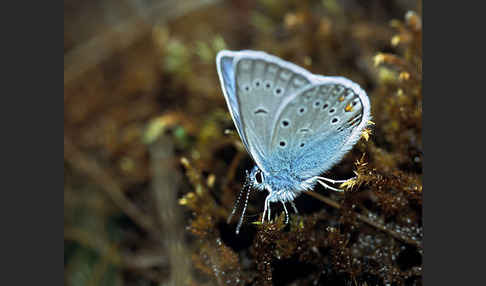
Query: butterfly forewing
column 316, row 126
column 224, row 65
column 262, row 83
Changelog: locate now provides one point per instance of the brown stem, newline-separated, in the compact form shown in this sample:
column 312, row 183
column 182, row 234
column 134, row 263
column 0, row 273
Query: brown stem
column 165, row 181
column 90, row 167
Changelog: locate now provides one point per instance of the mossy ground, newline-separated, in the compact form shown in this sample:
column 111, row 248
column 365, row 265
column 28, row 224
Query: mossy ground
column 153, row 164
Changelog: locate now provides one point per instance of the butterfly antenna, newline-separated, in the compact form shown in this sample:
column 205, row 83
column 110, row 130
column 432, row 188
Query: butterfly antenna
column 237, row 202
column 240, row 222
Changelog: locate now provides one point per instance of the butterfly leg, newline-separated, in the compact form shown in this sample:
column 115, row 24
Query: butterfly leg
column 334, row 181
column 269, row 210
column 286, row 213
column 294, row 207
column 265, row 208
column 329, row 187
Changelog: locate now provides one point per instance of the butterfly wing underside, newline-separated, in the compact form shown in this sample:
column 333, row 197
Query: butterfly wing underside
column 317, row 126
column 224, row 66
column 256, row 84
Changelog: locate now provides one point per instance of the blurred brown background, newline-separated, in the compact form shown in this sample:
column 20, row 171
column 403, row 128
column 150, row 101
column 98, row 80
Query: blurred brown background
column 152, row 166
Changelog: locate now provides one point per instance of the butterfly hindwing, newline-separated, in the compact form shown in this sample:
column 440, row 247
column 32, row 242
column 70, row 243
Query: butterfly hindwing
column 316, row 126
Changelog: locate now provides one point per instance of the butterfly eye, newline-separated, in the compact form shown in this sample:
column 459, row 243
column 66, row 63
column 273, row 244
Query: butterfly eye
column 259, row 177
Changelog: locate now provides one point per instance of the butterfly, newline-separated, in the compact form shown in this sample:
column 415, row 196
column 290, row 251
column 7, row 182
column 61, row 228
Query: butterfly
column 295, row 125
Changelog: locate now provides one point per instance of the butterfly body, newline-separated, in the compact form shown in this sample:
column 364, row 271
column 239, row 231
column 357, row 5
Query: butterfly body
column 283, row 185
column 295, row 125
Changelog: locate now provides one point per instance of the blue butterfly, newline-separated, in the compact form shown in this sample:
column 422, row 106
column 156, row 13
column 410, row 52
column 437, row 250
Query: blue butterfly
column 295, row 125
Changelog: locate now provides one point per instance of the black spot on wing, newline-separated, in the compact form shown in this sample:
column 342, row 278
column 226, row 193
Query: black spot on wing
column 261, row 111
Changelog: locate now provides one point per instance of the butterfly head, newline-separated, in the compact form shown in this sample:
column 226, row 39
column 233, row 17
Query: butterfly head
column 283, row 186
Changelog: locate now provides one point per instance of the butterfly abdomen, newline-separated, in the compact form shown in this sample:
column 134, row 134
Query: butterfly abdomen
column 285, row 185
